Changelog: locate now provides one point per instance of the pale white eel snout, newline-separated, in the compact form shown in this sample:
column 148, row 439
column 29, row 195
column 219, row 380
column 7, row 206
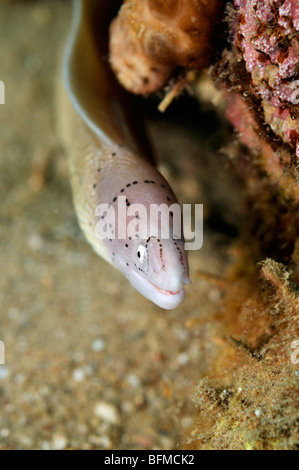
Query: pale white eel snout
column 108, row 157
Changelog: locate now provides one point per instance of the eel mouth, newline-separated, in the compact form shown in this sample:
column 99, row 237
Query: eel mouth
column 164, row 298
column 186, row 281
column 164, row 291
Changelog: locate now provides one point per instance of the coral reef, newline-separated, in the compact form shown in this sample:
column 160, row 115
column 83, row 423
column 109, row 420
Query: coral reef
column 256, row 91
column 267, row 35
column 258, row 73
column 149, row 39
column 259, row 79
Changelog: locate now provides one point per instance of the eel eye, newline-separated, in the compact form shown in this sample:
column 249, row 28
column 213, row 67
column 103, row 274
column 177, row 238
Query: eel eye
column 141, row 253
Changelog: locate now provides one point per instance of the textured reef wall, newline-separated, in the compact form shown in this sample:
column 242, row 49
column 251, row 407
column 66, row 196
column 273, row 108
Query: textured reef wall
column 259, row 75
column 266, row 37
column 250, row 398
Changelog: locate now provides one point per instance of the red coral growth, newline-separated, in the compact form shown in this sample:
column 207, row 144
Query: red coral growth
column 259, row 79
column 267, row 34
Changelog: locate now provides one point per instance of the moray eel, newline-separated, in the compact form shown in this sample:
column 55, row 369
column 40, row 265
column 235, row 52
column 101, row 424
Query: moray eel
column 109, row 156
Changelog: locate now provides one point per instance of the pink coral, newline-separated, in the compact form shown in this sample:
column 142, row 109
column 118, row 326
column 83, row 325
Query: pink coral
column 267, row 34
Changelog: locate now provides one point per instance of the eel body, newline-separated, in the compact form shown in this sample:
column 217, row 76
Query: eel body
column 109, row 157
